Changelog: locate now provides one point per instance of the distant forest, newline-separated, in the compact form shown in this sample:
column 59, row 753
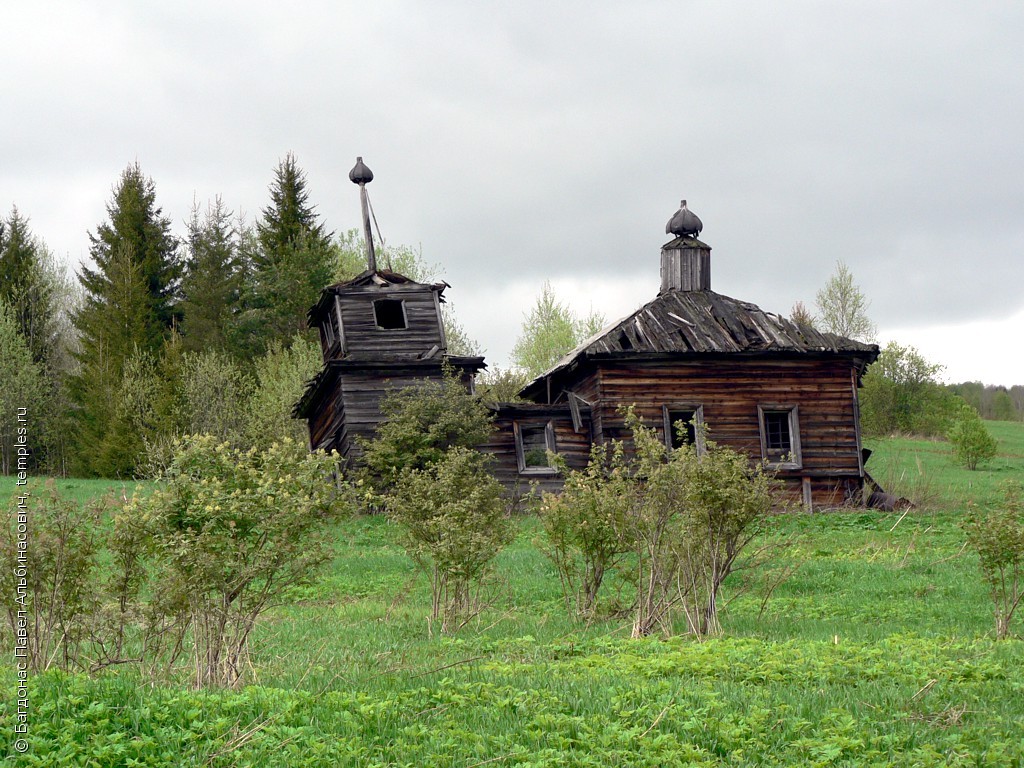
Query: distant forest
column 997, row 403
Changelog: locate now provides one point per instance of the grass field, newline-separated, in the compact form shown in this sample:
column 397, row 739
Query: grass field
column 878, row 650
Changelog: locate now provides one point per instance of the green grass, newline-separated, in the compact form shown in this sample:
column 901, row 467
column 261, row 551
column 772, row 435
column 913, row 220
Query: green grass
column 878, row 650
column 80, row 489
column 926, row 471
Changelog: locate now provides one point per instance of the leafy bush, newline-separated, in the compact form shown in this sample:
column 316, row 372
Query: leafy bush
column 281, row 375
column 60, row 588
column 435, row 484
column 232, row 531
column 421, row 422
column 697, row 513
column 454, row 521
column 902, row 394
column 997, row 535
column 687, row 514
column 972, row 444
column 215, row 389
column 585, row 525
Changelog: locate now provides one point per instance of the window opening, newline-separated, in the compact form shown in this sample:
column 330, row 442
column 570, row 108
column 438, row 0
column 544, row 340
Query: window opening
column 692, row 418
column 533, row 442
column 780, row 435
column 331, row 329
column 684, row 433
column 776, row 432
column 389, row 314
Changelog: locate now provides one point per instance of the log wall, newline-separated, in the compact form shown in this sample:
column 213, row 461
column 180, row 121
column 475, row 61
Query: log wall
column 359, row 325
column 571, row 445
column 730, row 391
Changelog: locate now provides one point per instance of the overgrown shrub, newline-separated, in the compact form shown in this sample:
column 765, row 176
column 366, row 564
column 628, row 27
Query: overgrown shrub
column 997, row 535
column 585, row 525
column 972, row 444
column 59, row 591
column 454, row 521
column 686, row 515
column 421, row 422
column 232, row 531
column 423, row 465
column 280, row 377
column 698, row 512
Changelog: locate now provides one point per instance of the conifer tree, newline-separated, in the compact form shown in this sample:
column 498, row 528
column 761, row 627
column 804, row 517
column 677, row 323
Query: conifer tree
column 129, row 307
column 291, row 261
column 26, row 285
column 139, row 233
column 212, row 284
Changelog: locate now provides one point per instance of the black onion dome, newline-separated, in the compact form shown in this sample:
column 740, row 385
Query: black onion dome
column 360, row 174
column 684, row 222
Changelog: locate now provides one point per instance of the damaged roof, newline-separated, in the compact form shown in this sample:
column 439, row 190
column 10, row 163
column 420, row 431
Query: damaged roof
column 705, row 322
column 380, row 278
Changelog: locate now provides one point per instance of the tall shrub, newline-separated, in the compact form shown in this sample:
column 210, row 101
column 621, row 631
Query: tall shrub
column 232, row 531
column 438, row 488
column 697, row 512
column 972, row 443
column 454, row 521
column 585, row 525
column 421, row 422
column 997, row 535
column 59, row 594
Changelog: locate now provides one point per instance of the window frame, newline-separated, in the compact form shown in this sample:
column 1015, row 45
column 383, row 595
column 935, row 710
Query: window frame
column 327, row 339
column 549, row 445
column 376, row 318
column 698, row 418
column 793, row 420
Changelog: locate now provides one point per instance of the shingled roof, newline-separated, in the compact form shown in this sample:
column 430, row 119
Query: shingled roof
column 697, row 323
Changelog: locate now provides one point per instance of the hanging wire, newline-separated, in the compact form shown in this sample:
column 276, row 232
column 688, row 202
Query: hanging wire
column 383, row 248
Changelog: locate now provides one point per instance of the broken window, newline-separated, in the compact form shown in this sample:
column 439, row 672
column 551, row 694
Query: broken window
column 780, row 435
column 330, row 333
column 683, row 425
column 533, row 444
column 389, row 314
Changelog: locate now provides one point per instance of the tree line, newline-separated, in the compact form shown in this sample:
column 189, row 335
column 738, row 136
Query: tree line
column 160, row 335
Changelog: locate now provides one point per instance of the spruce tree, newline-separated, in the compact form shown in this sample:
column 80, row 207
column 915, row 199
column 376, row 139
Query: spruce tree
column 138, row 231
column 129, row 307
column 212, row 285
column 291, row 260
column 21, row 386
column 26, row 285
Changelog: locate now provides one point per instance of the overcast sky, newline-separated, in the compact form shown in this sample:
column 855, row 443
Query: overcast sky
column 518, row 142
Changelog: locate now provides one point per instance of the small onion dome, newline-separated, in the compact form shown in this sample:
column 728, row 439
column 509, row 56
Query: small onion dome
column 360, row 174
column 684, row 222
